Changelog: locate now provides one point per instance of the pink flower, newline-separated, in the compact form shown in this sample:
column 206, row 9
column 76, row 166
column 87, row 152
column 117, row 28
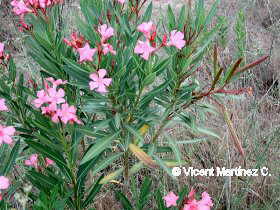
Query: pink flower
column 176, row 39
column 1, row 49
column 45, row 3
column 76, row 41
column 204, row 204
column 68, row 113
column 20, row 7
column 99, row 82
column 3, row 106
column 49, row 162
column 6, row 133
column 144, row 49
column 106, row 32
column 171, row 199
column 42, row 98
column 56, row 96
column 56, row 83
column 32, row 161
column 147, row 28
column 86, row 53
column 121, row 1
column 4, row 183
column 49, row 110
column 108, row 48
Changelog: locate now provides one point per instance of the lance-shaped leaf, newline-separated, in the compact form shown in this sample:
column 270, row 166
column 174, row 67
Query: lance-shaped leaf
column 160, row 201
column 182, row 18
column 251, row 65
column 148, row 13
column 171, row 18
column 54, row 155
column 111, row 176
column 42, row 181
column 99, row 147
column 215, row 60
column 216, row 79
column 142, row 156
column 163, row 165
column 135, row 133
column 145, row 193
column 124, row 201
column 106, row 162
column 174, row 147
column 93, row 192
column 230, row 73
column 232, row 131
column 212, row 12
column 11, row 161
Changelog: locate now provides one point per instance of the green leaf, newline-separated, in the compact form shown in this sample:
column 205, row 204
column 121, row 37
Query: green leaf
column 82, row 175
column 12, row 70
column 231, row 72
column 135, row 133
column 97, row 127
column 164, row 166
column 123, row 199
column 200, row 14
column 106, row 162
column 174, row 147
column 182, row 18
column 43, row 182
column 95, row 189
column 54, row 155
column 212, row 12
column 182, row 194
column 160, row 201
column 144, row 193
column 171, row 18
column 207, row 132
column 11, row 161
column 99, row 147
column 76, row 72
column 148, row 13
column 159, row 68
column 149, row 79
column 193, row 141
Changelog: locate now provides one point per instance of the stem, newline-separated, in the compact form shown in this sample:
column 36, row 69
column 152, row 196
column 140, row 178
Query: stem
column 70, row 166
column 126, row 165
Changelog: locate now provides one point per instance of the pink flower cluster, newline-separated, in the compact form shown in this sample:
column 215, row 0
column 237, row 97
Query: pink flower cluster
column 121, row 1
column 3, row 56
column 4, row 183
column 23, row 7
column 191, row 203
column 54, row 103
column 6, row 133
column 147, row 47
column 33, row 161
column 5, row 137
column 86, row 53
column 76, row 41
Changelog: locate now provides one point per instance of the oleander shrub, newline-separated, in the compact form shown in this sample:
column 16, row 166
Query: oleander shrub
column 99, row 107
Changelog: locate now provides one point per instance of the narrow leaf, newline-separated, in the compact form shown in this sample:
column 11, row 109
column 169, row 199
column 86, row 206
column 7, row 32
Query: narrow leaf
column 99, row 147
column 141, row 155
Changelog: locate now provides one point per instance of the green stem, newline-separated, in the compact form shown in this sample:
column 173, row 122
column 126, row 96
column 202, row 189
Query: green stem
column 70, row 166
